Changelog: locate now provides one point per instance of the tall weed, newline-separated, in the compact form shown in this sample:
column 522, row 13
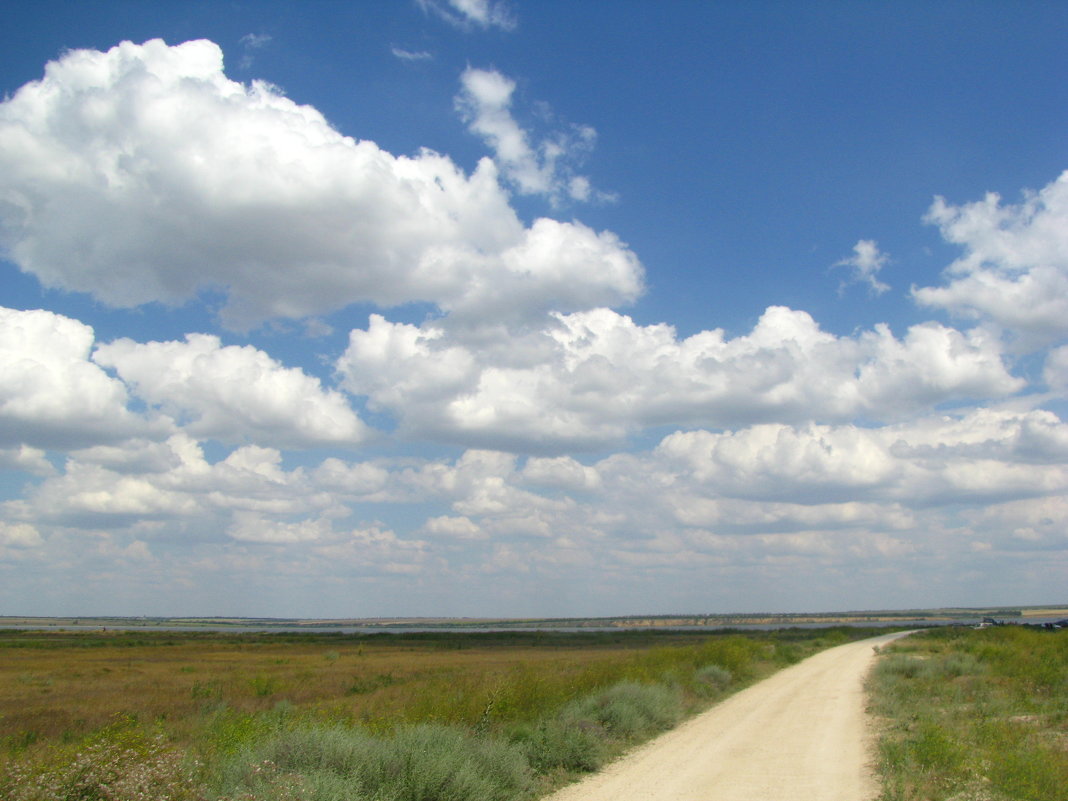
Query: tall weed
column 120, row 764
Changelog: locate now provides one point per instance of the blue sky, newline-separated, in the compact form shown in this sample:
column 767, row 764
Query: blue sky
column 473, row 308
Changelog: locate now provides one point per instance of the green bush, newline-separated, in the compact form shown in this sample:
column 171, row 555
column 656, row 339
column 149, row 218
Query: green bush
column 711, row 680
column 627, row 710
column 558, row 745
column 416, row 763
column 438, row 763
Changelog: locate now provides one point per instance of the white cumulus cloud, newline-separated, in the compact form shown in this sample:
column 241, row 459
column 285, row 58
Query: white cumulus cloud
column 595, row 377
column 252, row 527
column 19, row 535
column 1055, row 372
column 1014, row 270
column 51, row 394
column 865, row 264
column 23, row 457
column 452, row 527
column 233, row 393
column 145, row 174
column 543, row 167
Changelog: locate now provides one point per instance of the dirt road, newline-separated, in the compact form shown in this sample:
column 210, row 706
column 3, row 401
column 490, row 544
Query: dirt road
column 800, row 735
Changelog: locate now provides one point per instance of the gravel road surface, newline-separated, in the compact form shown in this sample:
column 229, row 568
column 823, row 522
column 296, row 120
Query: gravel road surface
column 800, row 735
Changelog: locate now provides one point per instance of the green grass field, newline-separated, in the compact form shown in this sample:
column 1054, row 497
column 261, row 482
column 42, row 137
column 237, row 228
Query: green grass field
column 426, row 717
column 974, row 715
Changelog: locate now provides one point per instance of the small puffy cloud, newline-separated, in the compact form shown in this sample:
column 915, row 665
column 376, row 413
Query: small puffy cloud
column 139, row 455
column 32, row 460
column 411, row 55
column 864, row 266
column 541, row 168
column 256, row 40
column 377, row 549
column 595, row 377
column 233, row 393
column 1014, row 270
column 144, row 174
column 363, row 480
column 19, row 535
column 456, row 528
column 253, row 527
column 51, row 395
column 89, row 495
column 1055, row 372
column 815, row 462
column 250, row 44
column 468, row 14
column 561, row 472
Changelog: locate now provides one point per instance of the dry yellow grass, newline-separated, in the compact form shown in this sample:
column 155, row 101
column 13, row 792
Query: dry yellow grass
column 61, row 686
column 1044, row 612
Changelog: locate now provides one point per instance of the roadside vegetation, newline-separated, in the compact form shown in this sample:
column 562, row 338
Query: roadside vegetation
column 973, row 715
column 431, row 717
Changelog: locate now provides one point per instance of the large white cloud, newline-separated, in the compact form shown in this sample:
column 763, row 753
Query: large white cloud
column 232, row 393
column 145, row 174
column 984, row 456
column 170, row 481
column 596, row 376
column 1014, row 270
column 51, row 394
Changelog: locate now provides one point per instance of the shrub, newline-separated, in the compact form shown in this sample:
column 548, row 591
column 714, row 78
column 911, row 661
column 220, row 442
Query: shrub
column 558, row 745
column 627, row 710
column 420, row 763
column 712, row 679
column 417, row 763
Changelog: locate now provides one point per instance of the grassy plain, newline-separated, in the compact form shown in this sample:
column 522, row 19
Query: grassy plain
column 974, row 715
column 324, row 716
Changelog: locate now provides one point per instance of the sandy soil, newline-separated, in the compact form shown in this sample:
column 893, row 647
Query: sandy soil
column 800, row 735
